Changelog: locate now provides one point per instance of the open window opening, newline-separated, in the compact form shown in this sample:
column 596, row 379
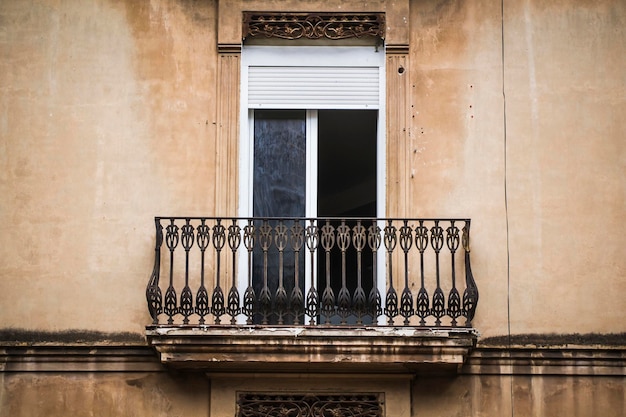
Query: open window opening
column 313, row 146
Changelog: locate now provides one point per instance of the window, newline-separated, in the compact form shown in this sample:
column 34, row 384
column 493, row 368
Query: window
column 319, row 82
column 312, row 146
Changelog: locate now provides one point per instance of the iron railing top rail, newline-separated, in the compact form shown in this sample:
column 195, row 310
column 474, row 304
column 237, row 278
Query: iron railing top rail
column 332, row 218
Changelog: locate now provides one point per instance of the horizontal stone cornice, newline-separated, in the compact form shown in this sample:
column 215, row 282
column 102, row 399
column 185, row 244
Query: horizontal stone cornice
column 78, row 358
column 239, row 349
column 593, row 360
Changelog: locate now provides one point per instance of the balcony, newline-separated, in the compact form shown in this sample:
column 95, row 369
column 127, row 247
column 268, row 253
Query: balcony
column 312, row 294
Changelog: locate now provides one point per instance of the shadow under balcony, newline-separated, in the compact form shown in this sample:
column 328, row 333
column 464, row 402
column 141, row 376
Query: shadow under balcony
column 361, row 295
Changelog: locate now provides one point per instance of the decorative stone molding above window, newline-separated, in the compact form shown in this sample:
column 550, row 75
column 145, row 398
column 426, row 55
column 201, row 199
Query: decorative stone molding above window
column 345, row 20
column 333, row 26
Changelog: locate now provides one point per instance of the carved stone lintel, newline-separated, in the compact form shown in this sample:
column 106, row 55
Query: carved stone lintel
column 332, row 26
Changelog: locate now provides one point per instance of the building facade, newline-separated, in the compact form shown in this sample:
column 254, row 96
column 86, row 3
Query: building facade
column 263, row 207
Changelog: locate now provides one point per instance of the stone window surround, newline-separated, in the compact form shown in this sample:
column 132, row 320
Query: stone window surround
column 394, row 390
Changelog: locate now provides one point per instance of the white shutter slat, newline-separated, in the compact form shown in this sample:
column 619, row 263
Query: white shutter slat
column 322, row 87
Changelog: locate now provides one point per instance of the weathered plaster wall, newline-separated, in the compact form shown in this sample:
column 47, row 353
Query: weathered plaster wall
column 395, row 390
column 107, row 118
column 159, row 394
column 565, row 86
column 456, row 151
column 536, row 396
column 517, row 122
column 102, row 394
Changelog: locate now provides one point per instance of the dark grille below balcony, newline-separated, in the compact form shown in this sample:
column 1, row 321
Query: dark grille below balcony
column 312, row 271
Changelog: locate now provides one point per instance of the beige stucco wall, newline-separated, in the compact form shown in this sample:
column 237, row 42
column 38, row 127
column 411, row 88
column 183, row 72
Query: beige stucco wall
column 536, row 396
column 103, row 394
column 565, row 85
column 456, row 135
column 517, row 122
column 158, row 394
column 394, row 390
column 109, row 116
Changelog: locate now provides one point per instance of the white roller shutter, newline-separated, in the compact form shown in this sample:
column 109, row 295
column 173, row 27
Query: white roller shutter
column 316, row 87
column 309, row 77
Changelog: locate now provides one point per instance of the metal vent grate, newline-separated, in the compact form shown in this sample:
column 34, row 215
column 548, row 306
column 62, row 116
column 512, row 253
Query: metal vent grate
column 309, row 405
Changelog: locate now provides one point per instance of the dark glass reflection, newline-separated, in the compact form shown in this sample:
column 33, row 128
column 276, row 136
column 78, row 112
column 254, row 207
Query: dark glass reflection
column 279, row 191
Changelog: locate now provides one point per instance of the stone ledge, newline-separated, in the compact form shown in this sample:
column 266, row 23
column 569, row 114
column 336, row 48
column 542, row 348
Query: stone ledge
column 547, row 360
column 313, row 349
column 72, row 358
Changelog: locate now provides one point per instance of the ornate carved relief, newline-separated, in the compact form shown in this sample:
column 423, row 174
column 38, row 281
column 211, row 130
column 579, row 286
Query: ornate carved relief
column 313, row 25
column 309, row 405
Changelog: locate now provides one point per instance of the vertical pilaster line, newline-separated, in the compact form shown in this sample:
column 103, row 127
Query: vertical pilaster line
column 227, row 132
column 233, row 137
column 227, row 138
column 406, row 115
column 222, row 122
column 506, row 209
column 218, row 135
column 397, row 131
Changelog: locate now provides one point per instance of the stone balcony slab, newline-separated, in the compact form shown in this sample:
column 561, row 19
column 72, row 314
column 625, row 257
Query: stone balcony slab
column 323, row 349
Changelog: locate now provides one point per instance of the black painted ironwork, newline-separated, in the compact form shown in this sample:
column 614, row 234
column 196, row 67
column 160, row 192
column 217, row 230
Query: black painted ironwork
column 205, row 254
column 309, row 405
column 332, row 26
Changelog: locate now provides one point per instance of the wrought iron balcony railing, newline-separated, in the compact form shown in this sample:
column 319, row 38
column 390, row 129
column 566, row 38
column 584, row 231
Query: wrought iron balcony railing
column 312, row 271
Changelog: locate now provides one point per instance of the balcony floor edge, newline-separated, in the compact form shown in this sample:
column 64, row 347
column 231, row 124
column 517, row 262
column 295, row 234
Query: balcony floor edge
column 314, row 349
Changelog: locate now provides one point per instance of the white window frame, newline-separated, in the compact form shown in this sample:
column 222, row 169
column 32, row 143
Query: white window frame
column 308, row 56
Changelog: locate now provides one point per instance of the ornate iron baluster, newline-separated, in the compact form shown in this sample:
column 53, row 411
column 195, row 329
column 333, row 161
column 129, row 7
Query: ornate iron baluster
column 153, row 292
column 359, row 238
column 312, row 298
column 328, row 297
column 265, row 298
column 470, row 295
column 280, row 300
column 423, row 302
column 217, row 300
column 186, row 297
column 343, row 300
column 234, row 240
column 436, row 240
column 273, row 299
column 391, row 301
column 171, row 240
column 374, row 300
column 406, row 300
column 296, row 301
column 454, row 300
column 202, row 297
column 249, row 297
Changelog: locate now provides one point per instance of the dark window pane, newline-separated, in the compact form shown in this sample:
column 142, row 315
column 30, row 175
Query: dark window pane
column 279, row 163
column 279, row 191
